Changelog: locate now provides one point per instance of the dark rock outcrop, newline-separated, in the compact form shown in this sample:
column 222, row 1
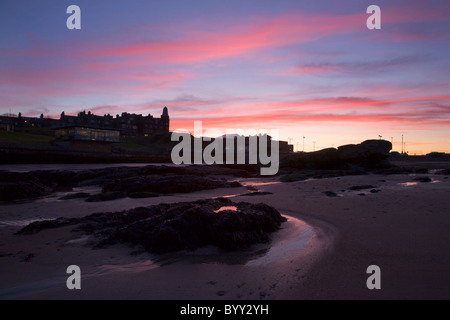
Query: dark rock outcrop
column 10, row 191
column 330, row 193
column 368, row 155
column 256, row 193
column 17, row 186
column 129, row 180
column 357, row 188
column 37, row 226
column 76, row 195
column 106, row 196
column 368, row 152
column 167, row 184
column 178, row 226
column 137, row 195
column 304, row 174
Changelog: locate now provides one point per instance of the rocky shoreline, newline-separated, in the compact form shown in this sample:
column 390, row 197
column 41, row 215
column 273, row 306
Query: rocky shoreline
column 154, row 181
column 117, row 182
column 371, row 156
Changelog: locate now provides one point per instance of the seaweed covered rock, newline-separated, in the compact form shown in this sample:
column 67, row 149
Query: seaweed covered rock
column 167, row 184
column 131, row 181
column 10, row 191
column 444, row 172
column 178, row 226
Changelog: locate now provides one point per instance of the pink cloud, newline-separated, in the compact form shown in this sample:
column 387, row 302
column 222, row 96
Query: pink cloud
column 357, row 67
column 425, row 114
column 249, row 36
column 415, row 21
column 417, row 12
column 86, row 79
column 332, row 104
column 313, row 69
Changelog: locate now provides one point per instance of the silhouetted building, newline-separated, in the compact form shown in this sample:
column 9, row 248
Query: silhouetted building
column 85, row 138
column 84, row 133
column 6, row 124
column 285, row 147
column 28, row 122
column 129, row 124
column 244, row 149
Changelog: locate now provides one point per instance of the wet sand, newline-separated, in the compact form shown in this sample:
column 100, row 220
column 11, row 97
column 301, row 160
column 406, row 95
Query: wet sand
column 403, row 229
column 36, row 269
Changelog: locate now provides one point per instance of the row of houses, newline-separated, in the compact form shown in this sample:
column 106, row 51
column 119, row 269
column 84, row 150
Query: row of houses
column 6, row 124
column 89, row 132
column 127, row 124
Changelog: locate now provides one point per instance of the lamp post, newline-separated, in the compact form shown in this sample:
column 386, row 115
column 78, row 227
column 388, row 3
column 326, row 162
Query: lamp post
column 404, row 147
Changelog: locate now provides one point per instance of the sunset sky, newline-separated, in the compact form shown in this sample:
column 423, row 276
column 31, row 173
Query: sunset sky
column 307, row 68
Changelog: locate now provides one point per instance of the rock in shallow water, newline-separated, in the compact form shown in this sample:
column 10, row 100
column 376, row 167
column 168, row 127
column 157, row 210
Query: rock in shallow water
column 444, row 172
column 159, row 179
column 10, row 191
column 178, row 226
column 167, row 184
column 423, row 179
column 358, row 188
column 77, row 195
column 106, row 196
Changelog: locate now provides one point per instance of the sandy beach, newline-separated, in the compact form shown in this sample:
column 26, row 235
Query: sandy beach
column 259, row 152
column 322, row 252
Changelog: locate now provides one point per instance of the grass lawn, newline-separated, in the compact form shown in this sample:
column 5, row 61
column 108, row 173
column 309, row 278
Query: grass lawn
column 25, row 140
column 41, row 140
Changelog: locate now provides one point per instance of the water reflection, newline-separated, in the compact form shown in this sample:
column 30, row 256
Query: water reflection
column 408, row 184
column 284, row 245
column 226, row 208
